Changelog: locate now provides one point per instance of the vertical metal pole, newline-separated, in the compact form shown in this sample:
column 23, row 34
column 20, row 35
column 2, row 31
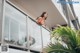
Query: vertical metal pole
column 9, row 38
column 66, row 11
column 68, row 17
column 3, row 20
column 78, row 23
column 41, row 38
column 27, row 33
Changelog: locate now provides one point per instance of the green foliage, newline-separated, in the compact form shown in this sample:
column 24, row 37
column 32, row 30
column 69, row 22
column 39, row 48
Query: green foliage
column 68, row 36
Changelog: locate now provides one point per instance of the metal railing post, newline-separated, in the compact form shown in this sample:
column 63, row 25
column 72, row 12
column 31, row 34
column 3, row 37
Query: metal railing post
column 3, row 20
column 27, row 33
column 41, row 38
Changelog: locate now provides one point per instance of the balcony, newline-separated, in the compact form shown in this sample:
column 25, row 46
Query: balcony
column 20, row 31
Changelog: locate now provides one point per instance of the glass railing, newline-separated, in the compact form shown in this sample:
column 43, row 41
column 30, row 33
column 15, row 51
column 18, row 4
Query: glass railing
column 22, row 31
column 14, row 26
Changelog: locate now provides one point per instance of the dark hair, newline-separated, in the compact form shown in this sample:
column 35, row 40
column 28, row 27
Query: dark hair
column 42, row 15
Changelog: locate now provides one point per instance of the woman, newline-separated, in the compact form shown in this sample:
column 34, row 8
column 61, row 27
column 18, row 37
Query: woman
column 42, row 18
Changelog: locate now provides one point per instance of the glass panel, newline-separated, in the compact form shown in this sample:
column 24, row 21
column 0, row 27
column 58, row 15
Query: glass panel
column 46, row 37
column 15, row 26
column 35, row 35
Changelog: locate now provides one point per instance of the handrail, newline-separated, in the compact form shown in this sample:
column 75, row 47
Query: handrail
column 24, row 13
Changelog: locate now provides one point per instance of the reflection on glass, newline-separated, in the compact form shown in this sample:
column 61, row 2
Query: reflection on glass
column 15, row 26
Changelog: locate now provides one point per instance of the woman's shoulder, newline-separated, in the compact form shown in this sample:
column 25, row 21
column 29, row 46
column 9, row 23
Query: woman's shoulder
column 39, row 17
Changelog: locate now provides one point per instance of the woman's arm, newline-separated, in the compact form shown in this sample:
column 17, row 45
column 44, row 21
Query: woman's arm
column 39, row 21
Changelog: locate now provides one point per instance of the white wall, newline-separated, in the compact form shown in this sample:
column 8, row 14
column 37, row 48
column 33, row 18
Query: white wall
column 59, row 7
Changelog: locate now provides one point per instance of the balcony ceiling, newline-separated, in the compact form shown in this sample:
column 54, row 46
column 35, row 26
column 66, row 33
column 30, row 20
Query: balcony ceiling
column 35, row 7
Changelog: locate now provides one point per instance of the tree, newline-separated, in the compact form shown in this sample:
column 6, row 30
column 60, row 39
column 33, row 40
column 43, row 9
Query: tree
column 67, row 41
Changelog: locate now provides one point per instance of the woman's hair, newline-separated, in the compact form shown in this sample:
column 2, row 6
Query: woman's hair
column 42, row 15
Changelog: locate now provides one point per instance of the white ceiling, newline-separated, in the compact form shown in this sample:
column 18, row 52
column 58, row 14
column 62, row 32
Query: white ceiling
column 36, row 7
